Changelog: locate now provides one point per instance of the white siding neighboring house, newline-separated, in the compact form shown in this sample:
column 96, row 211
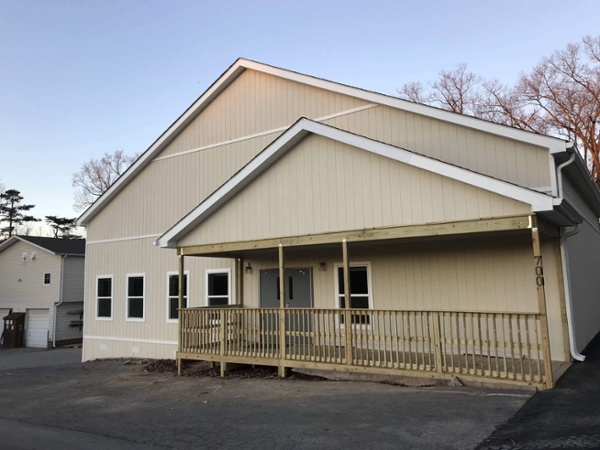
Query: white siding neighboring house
column 44, row 278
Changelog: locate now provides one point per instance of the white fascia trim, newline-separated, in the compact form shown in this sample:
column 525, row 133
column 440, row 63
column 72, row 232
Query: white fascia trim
column 239, row 66
column 202, row 102
column 141, row 341
column 538, row 201
column 234, row 184
column 554, row 144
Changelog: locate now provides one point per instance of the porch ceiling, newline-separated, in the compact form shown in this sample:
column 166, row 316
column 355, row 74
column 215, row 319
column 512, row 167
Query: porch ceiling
column 494, row 225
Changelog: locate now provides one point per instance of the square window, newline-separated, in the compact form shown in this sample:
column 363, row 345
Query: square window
column 105, row 307
column 218, row 288
column 135, row 287
column 135, row 308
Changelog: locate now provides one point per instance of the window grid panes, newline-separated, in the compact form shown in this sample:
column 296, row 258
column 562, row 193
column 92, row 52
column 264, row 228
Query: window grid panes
column 104, row 298
column 359, row 293
column 135, row 297
column 217, row 290
column 174, row 295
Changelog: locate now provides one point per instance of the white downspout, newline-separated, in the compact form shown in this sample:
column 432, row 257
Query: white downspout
column 566, row 276
column 60, row 298
column 559, row 173
column 564, row 235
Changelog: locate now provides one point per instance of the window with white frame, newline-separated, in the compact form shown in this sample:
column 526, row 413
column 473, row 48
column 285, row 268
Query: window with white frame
column 135, row 297
column 173, row 294
column 360, row 292
column 47, row 278
column 104, row 296
column 218, row 287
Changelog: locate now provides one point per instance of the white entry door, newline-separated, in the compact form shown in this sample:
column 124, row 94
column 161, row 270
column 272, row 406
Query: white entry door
column 36, row 328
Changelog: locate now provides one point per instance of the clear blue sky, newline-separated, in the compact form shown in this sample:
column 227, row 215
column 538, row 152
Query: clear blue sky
column 81, row 77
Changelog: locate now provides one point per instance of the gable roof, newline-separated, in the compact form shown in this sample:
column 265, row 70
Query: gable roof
column 239, row 66
column 72, row 247
column 304, row 127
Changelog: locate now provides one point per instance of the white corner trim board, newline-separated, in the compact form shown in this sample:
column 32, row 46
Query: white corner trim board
column 262, row 133
column 140, row 341
column 126, row 238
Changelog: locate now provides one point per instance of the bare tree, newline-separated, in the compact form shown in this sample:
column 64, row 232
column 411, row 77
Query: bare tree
column 559, row 97
column 454, row 90
column 414, row 91
column 564, row 89
column 97, row 175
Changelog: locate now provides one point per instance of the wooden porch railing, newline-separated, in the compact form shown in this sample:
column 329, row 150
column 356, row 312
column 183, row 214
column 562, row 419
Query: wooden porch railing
column 491, row 345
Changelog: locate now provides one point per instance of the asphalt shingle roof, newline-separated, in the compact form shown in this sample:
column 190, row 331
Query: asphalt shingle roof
column 58, row 246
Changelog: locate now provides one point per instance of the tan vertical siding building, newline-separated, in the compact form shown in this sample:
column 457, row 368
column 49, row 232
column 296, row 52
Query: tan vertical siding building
column 441, row 215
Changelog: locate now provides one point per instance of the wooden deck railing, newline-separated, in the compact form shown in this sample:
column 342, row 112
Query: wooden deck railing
column 491, row 345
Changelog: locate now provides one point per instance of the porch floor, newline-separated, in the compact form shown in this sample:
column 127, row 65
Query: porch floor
column 521, row 371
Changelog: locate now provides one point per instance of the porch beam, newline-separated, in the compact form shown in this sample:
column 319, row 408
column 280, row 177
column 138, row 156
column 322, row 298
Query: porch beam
column 373, row 234
column 541, row 294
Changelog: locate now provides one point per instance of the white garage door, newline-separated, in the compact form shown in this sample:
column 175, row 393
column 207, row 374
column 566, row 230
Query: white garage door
column 36, row 328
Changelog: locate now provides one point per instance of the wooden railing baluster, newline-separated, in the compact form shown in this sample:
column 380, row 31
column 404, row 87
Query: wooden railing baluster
column 504, row 345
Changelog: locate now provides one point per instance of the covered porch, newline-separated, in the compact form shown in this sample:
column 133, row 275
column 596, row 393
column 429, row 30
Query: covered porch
column 506, row 346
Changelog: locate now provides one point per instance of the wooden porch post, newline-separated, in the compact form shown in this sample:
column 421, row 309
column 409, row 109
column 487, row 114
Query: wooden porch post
column 541, row 294
column 179, row 307
column 347, row 317
column 282, row 369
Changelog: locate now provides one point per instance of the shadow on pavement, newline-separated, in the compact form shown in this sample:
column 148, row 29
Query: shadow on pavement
column 567, row 416
column 29, row 358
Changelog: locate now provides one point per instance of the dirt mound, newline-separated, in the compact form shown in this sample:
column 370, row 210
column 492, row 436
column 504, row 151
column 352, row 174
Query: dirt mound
column 207, row 369
column 161, row 366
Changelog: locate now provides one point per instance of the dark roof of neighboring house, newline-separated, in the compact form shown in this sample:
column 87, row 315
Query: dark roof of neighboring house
column 58, row 246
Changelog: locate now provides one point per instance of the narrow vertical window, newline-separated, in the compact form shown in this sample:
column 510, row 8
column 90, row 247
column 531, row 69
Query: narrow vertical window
column 173, row 295
column 104, row 298
column 135, row 297
column 359, row 292
column 47, row 278
column 218, row 287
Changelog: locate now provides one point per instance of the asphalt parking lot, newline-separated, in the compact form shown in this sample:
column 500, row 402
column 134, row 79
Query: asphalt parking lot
column 106, row 404
column 566, row 417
